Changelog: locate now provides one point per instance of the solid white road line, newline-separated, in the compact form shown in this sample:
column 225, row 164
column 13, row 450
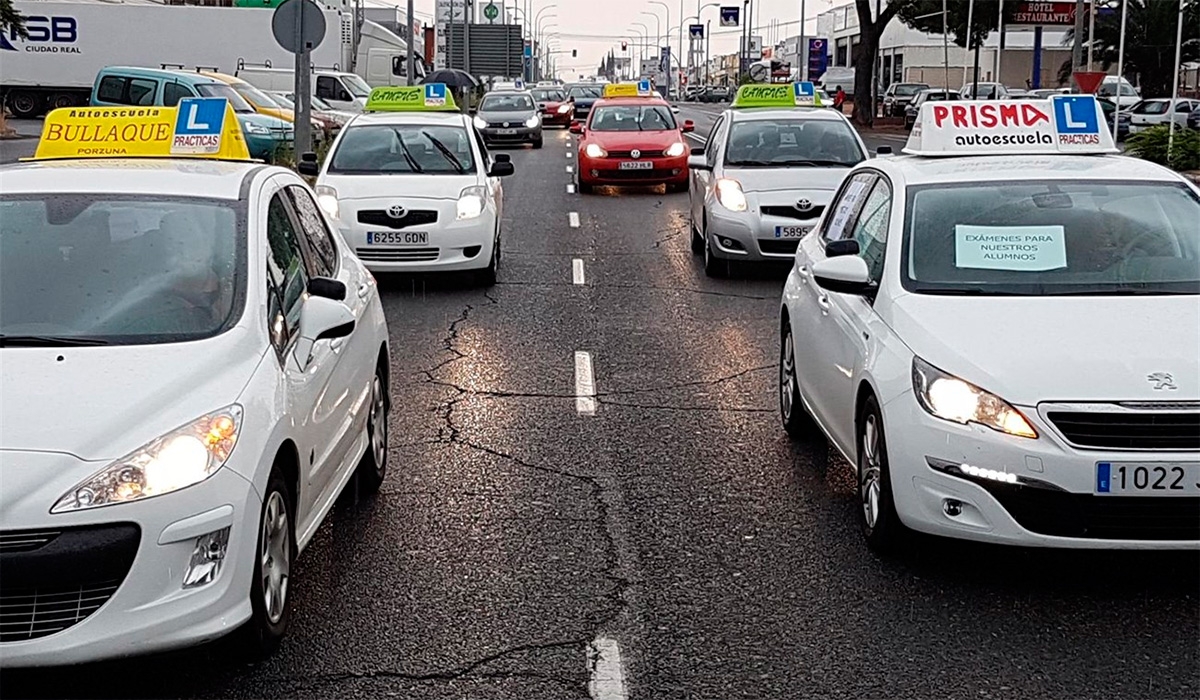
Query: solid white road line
column 697, row 138
column 577, row 271
column 573, row 219
column 585, row 385
column 607, row 677
column 570, row 189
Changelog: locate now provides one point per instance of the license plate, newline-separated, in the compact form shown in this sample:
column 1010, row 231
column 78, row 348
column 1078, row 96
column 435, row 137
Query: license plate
column 1148, row 478
column 636, row 165
column 791, row 231
column 397, row 238
column 506, row 132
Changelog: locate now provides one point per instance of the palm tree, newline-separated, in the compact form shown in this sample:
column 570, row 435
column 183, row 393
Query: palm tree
column 1149, row 42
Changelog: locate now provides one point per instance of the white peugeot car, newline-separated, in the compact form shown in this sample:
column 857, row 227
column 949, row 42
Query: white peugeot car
column 1006, row 347
column 194, row 367
column 416, row 192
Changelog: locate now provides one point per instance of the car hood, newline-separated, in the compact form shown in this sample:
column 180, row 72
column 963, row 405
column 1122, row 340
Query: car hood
column 408, row 185
column 787, row 179
column 101, row 403
column 585, row 101
column 629, row 140
column 513, row 117
column 265, row 120
column 551, row 104
column 1032, row 349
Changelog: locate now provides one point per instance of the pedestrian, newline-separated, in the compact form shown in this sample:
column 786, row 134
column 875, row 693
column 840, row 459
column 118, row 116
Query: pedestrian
column 839, row 99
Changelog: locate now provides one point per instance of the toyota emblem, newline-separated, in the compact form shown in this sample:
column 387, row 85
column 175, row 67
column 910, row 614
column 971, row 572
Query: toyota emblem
column 804, row 205
column 635, row 153
column 397, row 212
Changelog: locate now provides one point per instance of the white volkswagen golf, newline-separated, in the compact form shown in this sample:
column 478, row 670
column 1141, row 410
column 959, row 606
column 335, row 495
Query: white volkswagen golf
column 194, row 367
column 1006, row 346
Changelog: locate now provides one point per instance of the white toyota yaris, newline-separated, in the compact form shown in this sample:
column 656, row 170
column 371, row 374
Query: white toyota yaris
column 193, row 368
column 1006, row 348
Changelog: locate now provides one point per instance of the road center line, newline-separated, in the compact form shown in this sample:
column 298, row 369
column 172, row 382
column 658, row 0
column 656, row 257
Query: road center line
column 585, row 392
column 577, row 271
column 570, row 189
column 568, row 154
column 573, row 219
column 570, row 169
column 607, row 677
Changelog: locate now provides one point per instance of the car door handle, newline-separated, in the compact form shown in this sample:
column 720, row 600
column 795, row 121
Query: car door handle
column 802, row 271
column 336, row 344
column 364, row 290
column 823, row 302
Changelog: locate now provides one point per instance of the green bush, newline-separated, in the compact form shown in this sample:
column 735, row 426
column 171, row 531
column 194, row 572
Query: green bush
column 1151, row 145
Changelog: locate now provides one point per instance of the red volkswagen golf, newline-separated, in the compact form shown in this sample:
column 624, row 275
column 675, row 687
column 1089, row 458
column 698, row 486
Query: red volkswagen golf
column 632, row 141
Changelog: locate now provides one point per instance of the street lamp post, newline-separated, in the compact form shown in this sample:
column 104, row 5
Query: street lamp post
column 539, row 37
column 667, row 8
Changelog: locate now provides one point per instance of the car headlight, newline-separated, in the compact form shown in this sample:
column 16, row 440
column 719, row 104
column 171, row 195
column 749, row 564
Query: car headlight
column 730, row 194
column 950, row 398
column 327, row 197
column 479, row 122
column 258, row 129
column 183, row 457
column 676, row 149
column 594, row 151
column 533, row 121
column 470, row 203
column 563, row 109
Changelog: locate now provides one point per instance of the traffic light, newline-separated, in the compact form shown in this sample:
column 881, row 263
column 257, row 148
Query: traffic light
column 574, row 53
column 624, row 45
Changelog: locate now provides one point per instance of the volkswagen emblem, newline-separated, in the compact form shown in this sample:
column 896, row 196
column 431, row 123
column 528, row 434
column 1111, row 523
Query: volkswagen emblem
column 397, row 212
column 803, row 205
column 504, row 124
column 1161, row 381
column 635, row 153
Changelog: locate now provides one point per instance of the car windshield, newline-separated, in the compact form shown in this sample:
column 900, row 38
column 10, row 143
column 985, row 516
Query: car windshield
column 549, row 95
column 798, row 143
column 1108, row 89
column 117, row 269
column 282, row 100
column 322, row 105
column 1151, row 107
column 907, row 90
column 356, row 85
column 236, row 101
column 1054, row 237
column 633, row 118
column 584, row 91
column 254, row 96
column 393, row 149
column 506, row 103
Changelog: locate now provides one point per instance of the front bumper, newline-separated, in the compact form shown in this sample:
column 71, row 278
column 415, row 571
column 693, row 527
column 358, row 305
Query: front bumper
column 268, row 146
column 752, row 235
column 520, row 134
column 452, row 245
column 1051, row 505
column 137, row 555
column 607, row 171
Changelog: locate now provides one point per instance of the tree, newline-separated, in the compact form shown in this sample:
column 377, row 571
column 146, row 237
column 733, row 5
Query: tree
column 12, row 20
column 926, row 16
column 870, row 28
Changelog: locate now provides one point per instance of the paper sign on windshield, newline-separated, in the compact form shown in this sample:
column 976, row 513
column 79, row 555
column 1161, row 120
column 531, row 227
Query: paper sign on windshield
column 1013, row 248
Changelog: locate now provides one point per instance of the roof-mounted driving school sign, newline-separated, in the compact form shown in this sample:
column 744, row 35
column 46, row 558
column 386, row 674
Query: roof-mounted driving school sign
column 1064, row 124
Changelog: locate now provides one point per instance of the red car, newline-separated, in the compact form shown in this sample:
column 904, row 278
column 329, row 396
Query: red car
column 632, row 141
column 556, row 109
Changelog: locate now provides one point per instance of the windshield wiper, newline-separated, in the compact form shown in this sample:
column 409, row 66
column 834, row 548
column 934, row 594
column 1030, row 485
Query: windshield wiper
column 812, row 162
column 408, row 156
column 445, row 152
column 49, row 341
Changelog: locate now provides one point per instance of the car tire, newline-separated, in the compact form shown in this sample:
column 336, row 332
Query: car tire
column 580, row 186
column 713, row 266
column 537, row 143
column 373, row 467
column 697, row 238
column 677, row 187
column 881, row 526
column 274, row 559
column 792, row 413
column 24, row 104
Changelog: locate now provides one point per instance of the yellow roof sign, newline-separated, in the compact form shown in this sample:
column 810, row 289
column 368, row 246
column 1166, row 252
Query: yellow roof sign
column 777, row 95
column 431, row 97
column 200, row 127
column 639, row 89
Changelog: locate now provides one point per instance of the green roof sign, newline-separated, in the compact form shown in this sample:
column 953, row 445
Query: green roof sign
column 777, row 95
column 431, row 97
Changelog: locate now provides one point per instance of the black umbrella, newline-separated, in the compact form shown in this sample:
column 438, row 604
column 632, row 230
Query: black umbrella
column 453, row 78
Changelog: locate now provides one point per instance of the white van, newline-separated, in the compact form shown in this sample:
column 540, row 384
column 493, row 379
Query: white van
column 343, row 91
column 1108, row 89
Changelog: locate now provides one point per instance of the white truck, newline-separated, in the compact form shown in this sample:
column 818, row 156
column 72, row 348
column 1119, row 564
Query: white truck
column 71, row 40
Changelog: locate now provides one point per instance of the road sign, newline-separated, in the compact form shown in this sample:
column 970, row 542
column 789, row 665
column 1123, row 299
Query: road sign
column 696, row 31
column 665, row 58
column 199, row 124
column 491, row 12
column 528, row 51
column 818, row 57
column 730, row 16
column 1088, row 82
column 283, row 25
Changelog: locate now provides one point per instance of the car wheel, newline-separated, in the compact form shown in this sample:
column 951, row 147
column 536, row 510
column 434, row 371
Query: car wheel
column 487, row 276
column 373, row 467
column 713, row 266
column 795, row 418
column 697, row 238
column 580, row 186
column 24, row 105
column 881, row 525
column 274, row 557
column 537, row 143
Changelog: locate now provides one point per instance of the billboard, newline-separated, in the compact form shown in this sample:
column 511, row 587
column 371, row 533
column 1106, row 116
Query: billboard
column 730, row 16
column 1042, row 14
column 818, row 57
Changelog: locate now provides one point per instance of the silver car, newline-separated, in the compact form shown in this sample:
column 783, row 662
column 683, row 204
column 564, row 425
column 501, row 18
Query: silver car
column 764, row 179
column 509, row 117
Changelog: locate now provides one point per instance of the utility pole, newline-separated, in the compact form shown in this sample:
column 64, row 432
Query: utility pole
column 412, row 48
column 1077, row 47
column 802, row 49
column 970, row 23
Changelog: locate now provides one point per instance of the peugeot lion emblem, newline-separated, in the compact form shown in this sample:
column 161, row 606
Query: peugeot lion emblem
column 635, row 153
column 397, row 212
column 1161, row 381
column 803, row 205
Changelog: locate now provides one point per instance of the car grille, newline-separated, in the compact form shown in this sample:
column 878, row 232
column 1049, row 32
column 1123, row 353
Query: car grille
column 54, row 579
column 414, row 217
column 1129, row 430
column 790, row 212
column 397, row 254
column 641, row 154
column 779, row 246
column 654, row 174
column 1062, row 514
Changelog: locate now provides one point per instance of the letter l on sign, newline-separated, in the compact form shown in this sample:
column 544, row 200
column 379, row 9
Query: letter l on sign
column 191, row 119
column 1071, row 121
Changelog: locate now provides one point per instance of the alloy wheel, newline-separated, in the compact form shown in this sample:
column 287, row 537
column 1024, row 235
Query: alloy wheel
column 276, row 561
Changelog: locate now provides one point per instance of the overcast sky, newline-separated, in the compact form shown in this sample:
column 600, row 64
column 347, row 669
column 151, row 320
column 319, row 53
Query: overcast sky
column 594, row 27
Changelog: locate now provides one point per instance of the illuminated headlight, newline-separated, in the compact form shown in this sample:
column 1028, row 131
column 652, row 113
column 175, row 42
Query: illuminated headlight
column 256, row 129
column 327, row 197
column 470, row 203
column 563, row 109
column 730, row 194
column 594, row 151
column 183, row 457
column 533, row 121
column 950, row 398
column 479, row 122
column 676, row 149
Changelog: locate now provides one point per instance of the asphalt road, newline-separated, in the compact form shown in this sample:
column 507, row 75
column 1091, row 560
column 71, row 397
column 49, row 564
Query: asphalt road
column 520, row 546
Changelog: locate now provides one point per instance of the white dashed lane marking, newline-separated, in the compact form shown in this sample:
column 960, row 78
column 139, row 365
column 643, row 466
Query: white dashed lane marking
column 577, row 271
column 585, row 386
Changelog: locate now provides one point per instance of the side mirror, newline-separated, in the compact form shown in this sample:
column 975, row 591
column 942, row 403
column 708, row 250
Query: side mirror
column 847, row 274
column 698, row 163
column 503, row 158
column 327, row 288
column 688, row 126
column 308, row 164
column 322, row 319
column 837, row 249
column 501, row 169
column 576, row 127
column 883, row 151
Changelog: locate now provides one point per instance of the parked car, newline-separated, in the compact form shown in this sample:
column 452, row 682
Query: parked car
column 898, row 96
column 716, row 94
column 986, row 91
column 1193, row 120
column 913, row 108
column 1046, row 93
column 1109, row 88
column 1148, row 113
column 1122, row 124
